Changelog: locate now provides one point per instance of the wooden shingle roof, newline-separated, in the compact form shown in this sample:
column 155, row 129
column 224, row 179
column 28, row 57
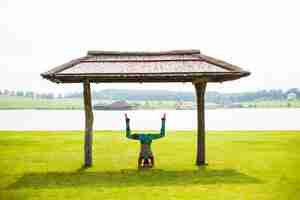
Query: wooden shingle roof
column 165, row 66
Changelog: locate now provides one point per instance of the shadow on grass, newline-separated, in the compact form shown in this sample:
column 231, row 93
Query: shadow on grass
column 128, row 178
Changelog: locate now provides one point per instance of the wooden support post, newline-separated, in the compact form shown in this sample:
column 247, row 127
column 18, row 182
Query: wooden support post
column 200, row 94
column 89, row 119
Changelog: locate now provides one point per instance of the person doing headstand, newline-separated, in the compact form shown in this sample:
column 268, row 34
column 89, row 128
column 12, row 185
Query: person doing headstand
column 146, row 158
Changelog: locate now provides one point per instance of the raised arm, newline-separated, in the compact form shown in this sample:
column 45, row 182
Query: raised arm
column 128, row 131
column 162, row 130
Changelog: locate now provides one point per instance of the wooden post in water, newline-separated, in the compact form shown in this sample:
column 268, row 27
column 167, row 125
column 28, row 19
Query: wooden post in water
column 89, row 119
column 200, row 94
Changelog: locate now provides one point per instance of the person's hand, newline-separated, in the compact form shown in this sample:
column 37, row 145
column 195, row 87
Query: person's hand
column 164, row 116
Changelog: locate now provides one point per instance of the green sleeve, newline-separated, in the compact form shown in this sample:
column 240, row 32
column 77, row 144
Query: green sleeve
column 128, row 132
column 162, row 131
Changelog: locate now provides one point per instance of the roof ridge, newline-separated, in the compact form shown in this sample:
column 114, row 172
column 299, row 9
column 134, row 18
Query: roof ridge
column 145, row 61
column 143, row 53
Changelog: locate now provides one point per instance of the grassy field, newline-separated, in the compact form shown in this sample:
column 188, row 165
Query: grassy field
column 241, row 165
column 7, row 102
column 13, row 102
column 273, row 104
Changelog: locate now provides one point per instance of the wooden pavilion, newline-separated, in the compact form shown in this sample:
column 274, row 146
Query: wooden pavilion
column 166, row 66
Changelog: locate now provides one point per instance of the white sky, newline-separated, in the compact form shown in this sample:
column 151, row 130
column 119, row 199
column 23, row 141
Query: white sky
column 260, row 36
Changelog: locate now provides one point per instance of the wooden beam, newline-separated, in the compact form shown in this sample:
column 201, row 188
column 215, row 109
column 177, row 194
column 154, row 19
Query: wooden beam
column 200, row 94
column 202, row 80
column 89, row 119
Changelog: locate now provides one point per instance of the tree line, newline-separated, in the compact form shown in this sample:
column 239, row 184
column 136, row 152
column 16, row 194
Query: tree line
column 213, row 97
column 30, row 94
column 163, row 95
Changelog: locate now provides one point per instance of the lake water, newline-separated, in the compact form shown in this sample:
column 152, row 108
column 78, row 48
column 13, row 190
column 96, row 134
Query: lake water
column 220, row 119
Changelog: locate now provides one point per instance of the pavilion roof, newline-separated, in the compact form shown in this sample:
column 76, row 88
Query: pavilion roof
column 164, row 66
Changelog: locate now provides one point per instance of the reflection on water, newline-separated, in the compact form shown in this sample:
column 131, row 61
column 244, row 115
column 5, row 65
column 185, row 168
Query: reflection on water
column 220, row 119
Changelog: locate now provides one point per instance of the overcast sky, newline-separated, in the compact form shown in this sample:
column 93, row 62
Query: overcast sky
column 260, row 36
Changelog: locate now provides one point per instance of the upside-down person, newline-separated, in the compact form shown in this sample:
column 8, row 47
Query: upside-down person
column 146, row 158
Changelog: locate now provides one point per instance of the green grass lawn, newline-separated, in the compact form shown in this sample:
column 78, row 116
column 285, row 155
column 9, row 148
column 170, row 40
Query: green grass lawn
column 241, row 165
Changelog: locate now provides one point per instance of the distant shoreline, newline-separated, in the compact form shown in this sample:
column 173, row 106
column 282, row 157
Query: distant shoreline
column 27, row 103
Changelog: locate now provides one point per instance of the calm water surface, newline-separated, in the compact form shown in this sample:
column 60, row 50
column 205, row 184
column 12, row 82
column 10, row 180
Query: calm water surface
column 220, row 119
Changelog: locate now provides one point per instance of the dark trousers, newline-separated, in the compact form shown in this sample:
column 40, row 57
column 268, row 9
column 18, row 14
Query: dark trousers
column 146, row 162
